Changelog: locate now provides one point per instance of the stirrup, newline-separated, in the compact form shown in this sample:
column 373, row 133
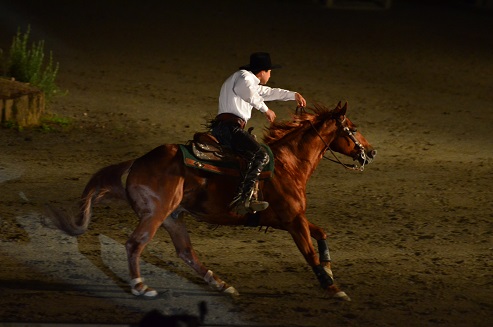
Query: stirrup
column 255, row 205
column 252, row 203
column 248, row 203
column 243, row 207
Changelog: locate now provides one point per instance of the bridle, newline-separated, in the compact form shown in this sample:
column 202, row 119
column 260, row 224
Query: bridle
column 351, row 135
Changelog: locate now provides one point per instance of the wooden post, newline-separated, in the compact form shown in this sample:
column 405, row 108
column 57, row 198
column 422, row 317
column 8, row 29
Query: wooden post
column 20, row 103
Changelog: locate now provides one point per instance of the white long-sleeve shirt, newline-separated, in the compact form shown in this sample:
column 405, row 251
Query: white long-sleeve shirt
column 241, row 92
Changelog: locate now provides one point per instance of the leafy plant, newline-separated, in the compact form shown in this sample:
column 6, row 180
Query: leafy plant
column 54, row 123
column 12, row 125
column 28, row 64
column 49, row 123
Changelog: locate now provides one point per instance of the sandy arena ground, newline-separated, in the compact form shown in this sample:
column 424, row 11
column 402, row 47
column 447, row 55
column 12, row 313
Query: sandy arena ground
column 410, row 237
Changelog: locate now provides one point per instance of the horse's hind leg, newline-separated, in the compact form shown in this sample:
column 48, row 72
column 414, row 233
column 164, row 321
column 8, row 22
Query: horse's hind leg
column 175, row 225
column 138, row 240
column 152, row 208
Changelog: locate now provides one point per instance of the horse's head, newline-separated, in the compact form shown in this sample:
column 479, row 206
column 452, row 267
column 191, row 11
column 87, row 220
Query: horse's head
column 329, row 129
column 349, row 141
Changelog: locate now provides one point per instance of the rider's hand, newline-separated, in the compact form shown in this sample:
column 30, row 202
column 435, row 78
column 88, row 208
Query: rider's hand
column 300, row 100
column 270, row 115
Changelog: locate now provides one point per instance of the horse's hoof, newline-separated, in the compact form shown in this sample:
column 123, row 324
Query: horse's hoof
column 231, row 291
column 342, row 296
column 144, row 290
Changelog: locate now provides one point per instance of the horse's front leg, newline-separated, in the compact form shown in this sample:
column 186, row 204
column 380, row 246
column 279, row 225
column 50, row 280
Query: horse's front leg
column 324, row 256
column 323, row 249
column 175, row 225
column 300, row 230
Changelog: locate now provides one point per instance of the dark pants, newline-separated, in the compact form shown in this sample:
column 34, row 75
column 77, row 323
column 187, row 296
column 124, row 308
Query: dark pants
column 230, row 133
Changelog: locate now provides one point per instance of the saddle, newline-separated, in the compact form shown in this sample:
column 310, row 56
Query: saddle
column 206, row 147
column 204, row 152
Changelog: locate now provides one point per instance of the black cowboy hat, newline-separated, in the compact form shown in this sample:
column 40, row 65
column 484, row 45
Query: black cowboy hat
column 260, row 61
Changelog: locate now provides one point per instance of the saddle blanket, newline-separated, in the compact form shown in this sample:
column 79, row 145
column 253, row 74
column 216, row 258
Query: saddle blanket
column 231, row 168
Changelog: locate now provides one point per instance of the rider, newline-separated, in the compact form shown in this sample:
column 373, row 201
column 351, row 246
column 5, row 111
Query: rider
column 240, row 93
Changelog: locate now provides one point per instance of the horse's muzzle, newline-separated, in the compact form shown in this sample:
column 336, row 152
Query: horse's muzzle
column 366, row 157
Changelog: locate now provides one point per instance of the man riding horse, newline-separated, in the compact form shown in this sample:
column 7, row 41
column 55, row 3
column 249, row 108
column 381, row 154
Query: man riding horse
column 240, row 93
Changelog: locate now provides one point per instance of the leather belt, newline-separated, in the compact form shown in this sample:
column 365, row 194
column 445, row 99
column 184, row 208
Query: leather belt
column 230, row 118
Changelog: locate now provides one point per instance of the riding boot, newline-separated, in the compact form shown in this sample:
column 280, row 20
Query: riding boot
column 247, row 187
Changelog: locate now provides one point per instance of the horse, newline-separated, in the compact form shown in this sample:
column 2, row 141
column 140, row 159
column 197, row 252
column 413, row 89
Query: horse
column 161, row 190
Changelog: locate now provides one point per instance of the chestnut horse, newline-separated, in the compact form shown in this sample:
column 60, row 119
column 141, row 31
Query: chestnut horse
column 161, row 189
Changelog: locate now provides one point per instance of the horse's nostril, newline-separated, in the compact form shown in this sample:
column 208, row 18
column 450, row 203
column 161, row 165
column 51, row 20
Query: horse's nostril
column 372, row 153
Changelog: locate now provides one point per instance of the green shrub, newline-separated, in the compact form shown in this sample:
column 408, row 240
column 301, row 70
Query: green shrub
column 28, row 64
column 53, row 123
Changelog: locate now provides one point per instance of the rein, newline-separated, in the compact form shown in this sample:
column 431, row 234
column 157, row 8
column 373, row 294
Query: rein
column 350, row 134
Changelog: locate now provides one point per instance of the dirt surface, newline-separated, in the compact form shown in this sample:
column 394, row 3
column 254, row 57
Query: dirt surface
column 410, row 237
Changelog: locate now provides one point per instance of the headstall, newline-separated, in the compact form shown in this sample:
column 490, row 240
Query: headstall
column 351, row 134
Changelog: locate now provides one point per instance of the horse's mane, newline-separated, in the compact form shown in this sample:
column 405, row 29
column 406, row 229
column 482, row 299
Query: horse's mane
column 279, row 130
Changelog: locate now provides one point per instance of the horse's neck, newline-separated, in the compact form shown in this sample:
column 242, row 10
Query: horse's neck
column 303, row 153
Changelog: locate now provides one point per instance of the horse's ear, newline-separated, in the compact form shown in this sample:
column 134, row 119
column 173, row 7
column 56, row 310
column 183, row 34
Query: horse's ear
column 343, row 110
column 338, row 105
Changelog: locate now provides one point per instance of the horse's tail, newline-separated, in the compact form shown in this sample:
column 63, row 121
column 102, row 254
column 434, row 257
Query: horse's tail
column 106, row 183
